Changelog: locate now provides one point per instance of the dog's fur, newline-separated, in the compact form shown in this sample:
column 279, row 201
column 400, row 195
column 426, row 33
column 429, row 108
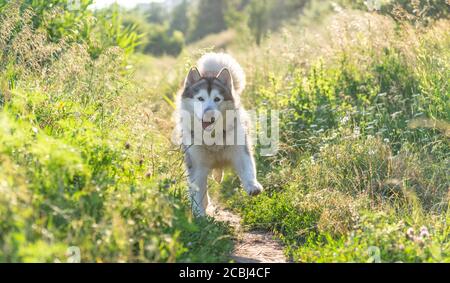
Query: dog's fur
column 215, row 86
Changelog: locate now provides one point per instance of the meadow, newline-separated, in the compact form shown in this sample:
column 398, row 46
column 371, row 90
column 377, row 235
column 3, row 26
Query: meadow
column 362, row 173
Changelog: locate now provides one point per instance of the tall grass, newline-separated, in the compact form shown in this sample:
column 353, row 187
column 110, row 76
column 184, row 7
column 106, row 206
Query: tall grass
column 364, row 151
column 361, row 175
column 72, row 172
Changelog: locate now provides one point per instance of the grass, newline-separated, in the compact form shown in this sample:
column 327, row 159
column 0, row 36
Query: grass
column 362, row 174
column 86, row 158
column 73, row 171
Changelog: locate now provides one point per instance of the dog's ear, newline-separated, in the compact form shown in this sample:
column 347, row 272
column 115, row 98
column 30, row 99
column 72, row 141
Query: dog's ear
column 225, row 77
column 193, row 77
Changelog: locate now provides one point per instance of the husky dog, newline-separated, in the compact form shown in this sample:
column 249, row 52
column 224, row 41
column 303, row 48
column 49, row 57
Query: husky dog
column 211, row 92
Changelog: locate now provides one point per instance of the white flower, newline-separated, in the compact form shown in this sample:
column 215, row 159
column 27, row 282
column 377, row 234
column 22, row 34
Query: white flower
column 356, row 132
column 345, row 119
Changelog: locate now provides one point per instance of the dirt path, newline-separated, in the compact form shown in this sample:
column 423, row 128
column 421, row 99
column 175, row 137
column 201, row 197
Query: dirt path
column 250, row 246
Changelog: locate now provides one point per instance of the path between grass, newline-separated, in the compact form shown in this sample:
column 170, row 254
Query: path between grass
column 250, row 246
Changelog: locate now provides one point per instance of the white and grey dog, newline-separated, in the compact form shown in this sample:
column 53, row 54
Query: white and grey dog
column 214, row 127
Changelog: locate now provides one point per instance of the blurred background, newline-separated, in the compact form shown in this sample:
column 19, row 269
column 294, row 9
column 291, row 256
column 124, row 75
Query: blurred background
column 168, row 26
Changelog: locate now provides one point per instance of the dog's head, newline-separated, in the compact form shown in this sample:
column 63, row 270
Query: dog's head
column 209, row 97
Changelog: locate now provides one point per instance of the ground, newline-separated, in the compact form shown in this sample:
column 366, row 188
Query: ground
column 251, row 246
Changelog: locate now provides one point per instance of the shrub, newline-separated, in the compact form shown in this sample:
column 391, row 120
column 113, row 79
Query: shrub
column 71, row 23
column 161, row 42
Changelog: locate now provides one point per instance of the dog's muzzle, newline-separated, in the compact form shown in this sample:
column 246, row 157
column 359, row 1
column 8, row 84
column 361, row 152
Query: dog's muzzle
column 209, row 118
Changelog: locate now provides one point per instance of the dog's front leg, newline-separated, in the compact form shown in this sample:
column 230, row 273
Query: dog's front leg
column 245, row 167
column 198, row 178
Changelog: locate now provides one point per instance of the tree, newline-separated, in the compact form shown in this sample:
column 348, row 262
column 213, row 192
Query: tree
column 161, row 42
column 210, row 18
column 179, row 18
column 156, row 13
column 258, row 19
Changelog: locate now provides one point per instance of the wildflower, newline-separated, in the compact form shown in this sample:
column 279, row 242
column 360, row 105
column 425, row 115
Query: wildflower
column 345, row 119
column 356, row 132
column 410, row 234
column 424, row 232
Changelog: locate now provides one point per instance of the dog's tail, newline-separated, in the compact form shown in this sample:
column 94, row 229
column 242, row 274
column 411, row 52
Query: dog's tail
column 211, row 64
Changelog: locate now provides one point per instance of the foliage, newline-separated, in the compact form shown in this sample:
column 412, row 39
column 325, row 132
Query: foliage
column 209, row 18
column 180, row 18
column 258, row 19
column 157, row 37
column 72, row 172
column 380, row 238
column 72, row 23
column 110, row 30
column 362, row 171
column 58, row 16
column 160, row 42
column 361, row 174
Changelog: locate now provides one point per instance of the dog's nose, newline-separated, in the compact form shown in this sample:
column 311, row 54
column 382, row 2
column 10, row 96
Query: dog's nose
column 209, row 116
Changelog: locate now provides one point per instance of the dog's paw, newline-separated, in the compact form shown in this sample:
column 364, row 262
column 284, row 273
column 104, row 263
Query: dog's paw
column 253, row 188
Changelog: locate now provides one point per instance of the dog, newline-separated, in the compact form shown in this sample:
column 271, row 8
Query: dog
column 208, row 106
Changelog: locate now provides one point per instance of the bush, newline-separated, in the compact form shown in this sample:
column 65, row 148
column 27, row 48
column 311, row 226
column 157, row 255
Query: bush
column 161, row 42
column 62, row 21
column 157, row 39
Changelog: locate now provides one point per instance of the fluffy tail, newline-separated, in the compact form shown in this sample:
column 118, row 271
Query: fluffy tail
column 211, row 64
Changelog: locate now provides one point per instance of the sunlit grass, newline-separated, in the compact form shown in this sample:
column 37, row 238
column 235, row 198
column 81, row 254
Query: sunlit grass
column 86, row 158
column 364, row 151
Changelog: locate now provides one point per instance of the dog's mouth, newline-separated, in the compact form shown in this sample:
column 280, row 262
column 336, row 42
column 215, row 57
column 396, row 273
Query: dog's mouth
column 207, row 124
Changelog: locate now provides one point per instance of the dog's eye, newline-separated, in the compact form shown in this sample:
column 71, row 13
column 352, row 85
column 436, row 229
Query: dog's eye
column 201, row 99
column 216, row 99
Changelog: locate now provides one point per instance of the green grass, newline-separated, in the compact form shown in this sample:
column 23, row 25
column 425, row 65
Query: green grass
column 364, row 152
column 73, row 172
column 361, row 176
